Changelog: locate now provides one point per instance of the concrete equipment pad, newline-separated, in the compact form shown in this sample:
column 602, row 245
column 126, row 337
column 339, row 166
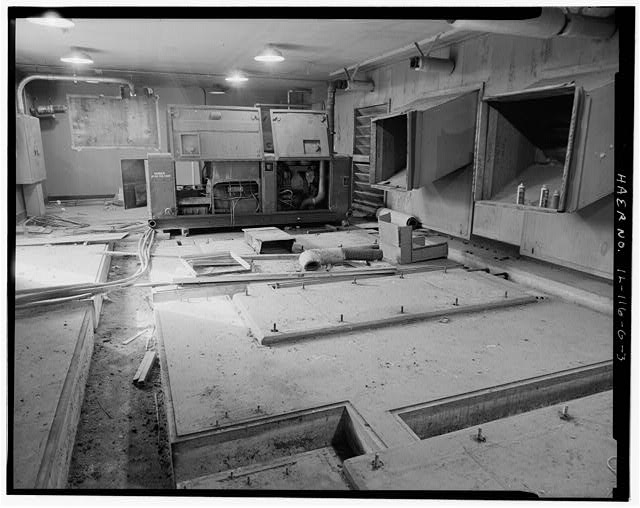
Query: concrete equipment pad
column 328, row 308
column 535, row 452
column 52, row 356
column 217, row 374
column 54, row 265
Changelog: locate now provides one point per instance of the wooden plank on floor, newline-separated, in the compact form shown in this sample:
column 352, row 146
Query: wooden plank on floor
column 350, row 238
column 142, row 374
column 70, row 239
column 101, row 276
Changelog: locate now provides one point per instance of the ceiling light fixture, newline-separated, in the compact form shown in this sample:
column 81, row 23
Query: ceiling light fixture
column 52, row 19
column 77, row 57
column 217, row 90
column 236, row 77
column 269, row 54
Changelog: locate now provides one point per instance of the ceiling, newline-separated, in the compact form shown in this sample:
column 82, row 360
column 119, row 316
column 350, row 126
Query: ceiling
column 203, row 51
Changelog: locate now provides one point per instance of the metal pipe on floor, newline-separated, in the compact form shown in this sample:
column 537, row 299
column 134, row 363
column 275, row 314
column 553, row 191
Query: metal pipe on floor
column 402, row 219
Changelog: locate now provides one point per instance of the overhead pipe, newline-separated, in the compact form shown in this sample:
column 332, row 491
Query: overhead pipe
column 321, row 189
column 61, row 77
column 552, row 22
column 432, row 64
column 426, row 63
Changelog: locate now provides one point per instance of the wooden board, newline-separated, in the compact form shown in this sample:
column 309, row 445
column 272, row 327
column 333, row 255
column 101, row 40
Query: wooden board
column 107, row 122
column 88, row 238
column 351, row 238
column 52, row 356
column 317, row 310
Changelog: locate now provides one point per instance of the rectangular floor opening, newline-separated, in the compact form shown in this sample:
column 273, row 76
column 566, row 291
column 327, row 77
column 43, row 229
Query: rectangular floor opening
column 459, row 412
column 300, row 450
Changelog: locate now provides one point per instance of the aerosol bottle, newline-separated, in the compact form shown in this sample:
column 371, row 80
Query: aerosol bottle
column 555, row 200
column 520, row 194
column 544, row 197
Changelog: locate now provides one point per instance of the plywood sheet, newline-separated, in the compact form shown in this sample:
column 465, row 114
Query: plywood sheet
column 107, row 122
column 295, row 310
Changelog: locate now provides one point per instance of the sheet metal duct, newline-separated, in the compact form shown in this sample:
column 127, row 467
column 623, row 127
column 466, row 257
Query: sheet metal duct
column 432, row 64
column 552, row 22
column 60, row 77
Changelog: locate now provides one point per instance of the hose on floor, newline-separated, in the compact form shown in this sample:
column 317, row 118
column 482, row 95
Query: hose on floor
column 50, row 295
column 314, row 259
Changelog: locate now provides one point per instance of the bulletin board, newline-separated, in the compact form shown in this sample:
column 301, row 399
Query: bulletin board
column 112, row 122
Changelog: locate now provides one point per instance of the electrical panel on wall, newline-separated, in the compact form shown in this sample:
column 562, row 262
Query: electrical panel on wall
column 30, row 166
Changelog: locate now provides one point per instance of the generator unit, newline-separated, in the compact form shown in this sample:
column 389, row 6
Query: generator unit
column 237, row 180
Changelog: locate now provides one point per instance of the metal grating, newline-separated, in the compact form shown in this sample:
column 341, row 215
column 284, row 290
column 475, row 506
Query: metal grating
column 365, row 199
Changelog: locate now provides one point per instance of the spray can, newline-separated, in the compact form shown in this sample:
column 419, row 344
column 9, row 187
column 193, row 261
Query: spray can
column 520, row 194
column 544, row 197
column 555, row 200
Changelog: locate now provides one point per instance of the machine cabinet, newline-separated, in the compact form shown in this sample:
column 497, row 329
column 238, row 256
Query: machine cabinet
column 161, row 185
column 232, row 181
column 30, row 166
column 215, row 133
column 300, row 134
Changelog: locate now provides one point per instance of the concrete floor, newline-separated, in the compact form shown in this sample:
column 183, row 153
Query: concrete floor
column 216, row 375
column 534, row 452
